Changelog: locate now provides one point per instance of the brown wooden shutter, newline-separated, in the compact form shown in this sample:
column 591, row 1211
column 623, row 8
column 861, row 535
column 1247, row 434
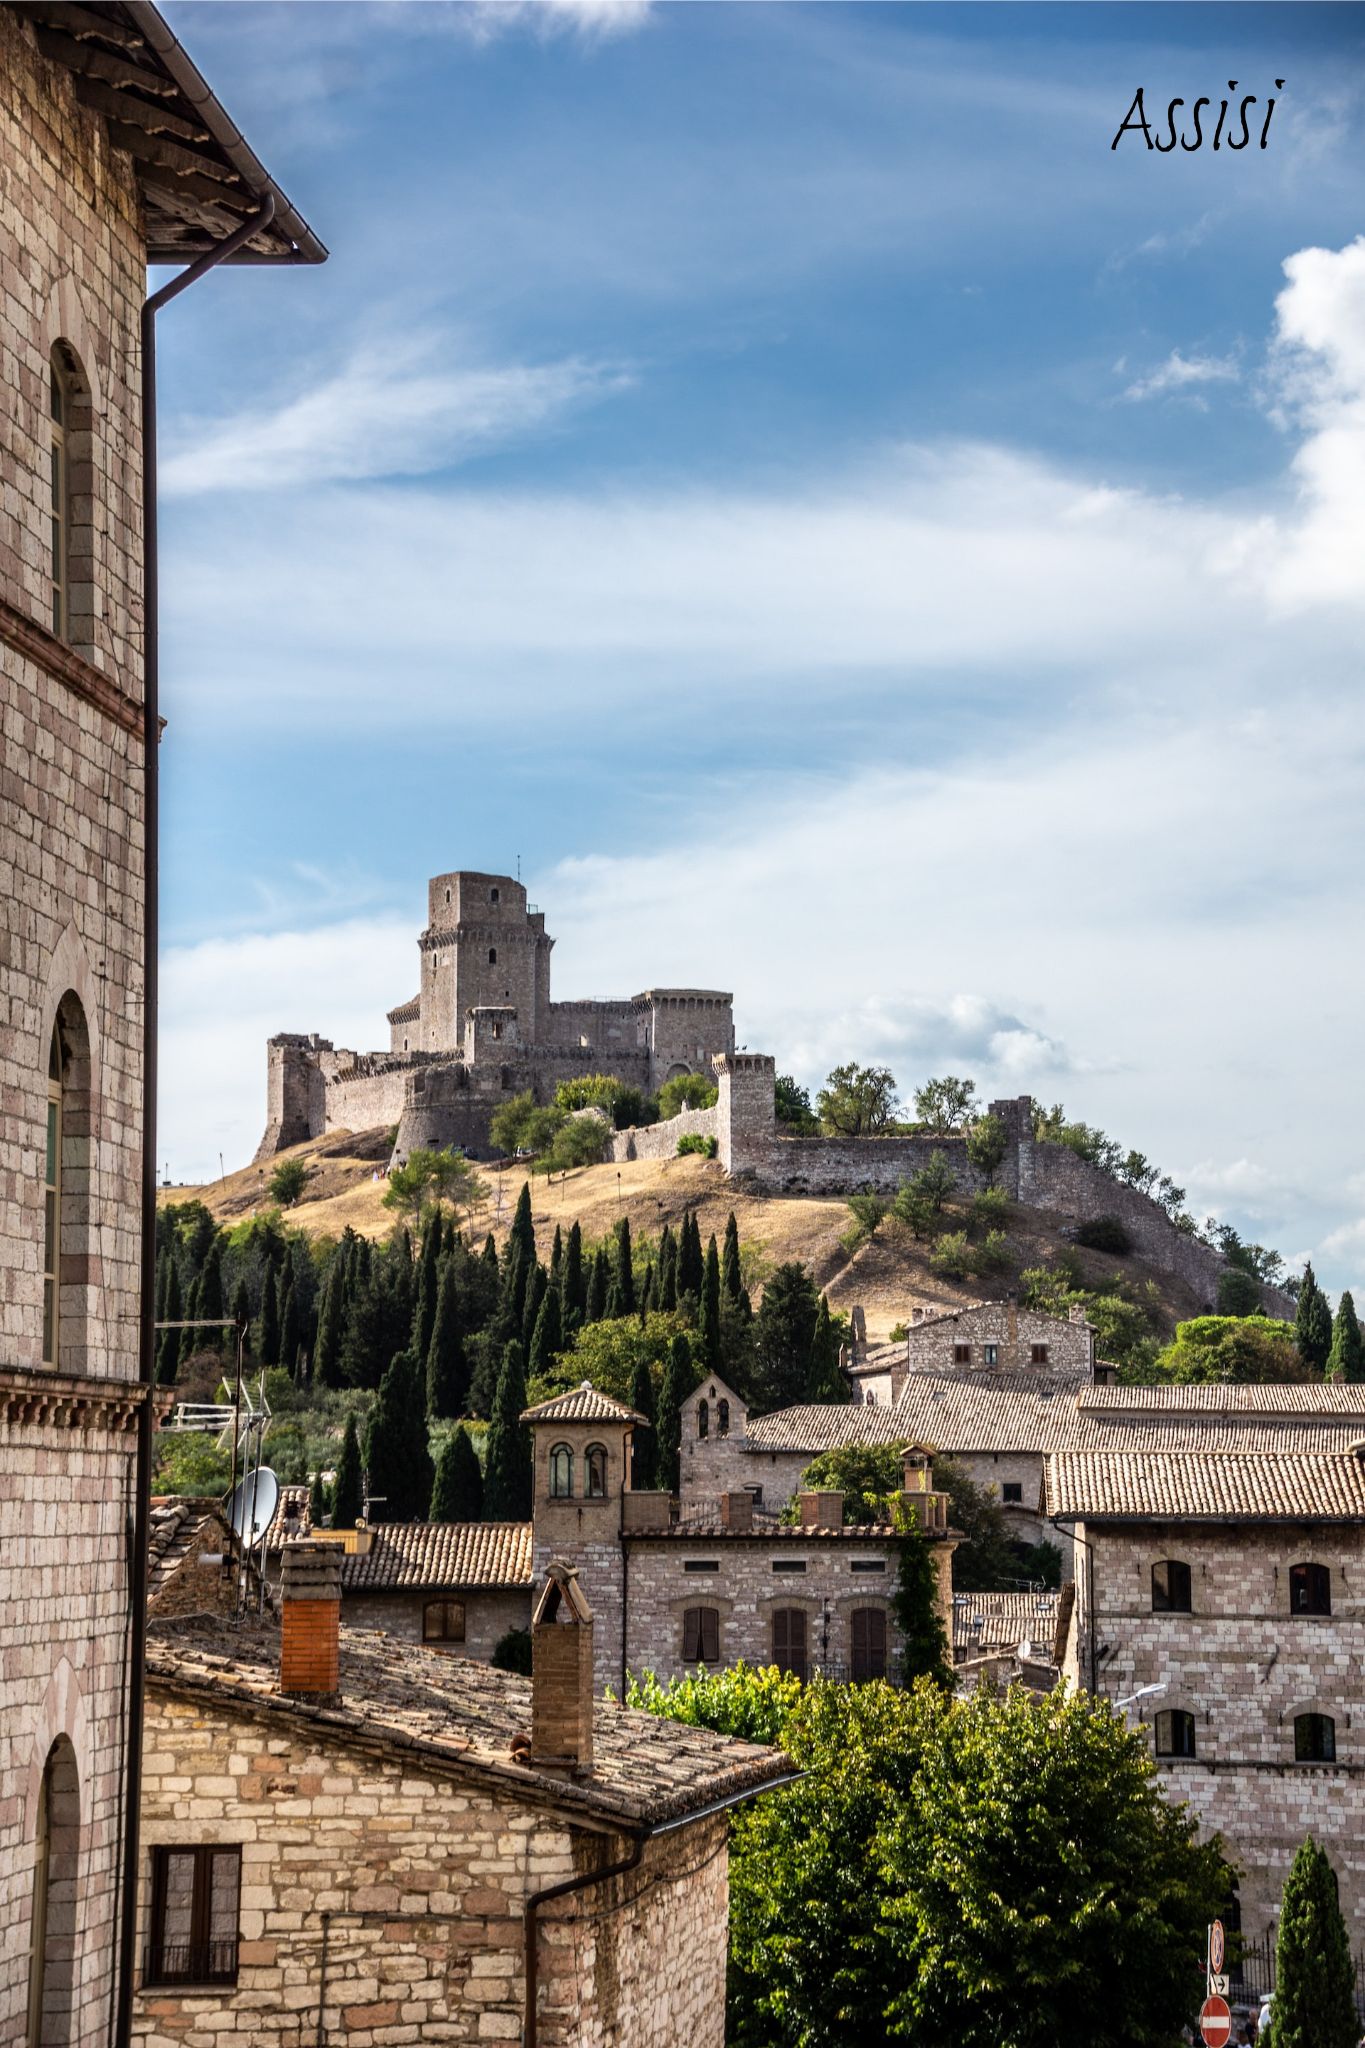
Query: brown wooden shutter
column 692, row 1636
column 789, row 1640
column 869, row 1643
column 710, row 1635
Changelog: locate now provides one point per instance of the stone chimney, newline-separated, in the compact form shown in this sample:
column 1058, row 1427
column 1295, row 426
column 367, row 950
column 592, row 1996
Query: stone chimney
column 310, row 1615
column 737, row 1512
column 820, row 1510
column 561, row 1675
column 918, row 1498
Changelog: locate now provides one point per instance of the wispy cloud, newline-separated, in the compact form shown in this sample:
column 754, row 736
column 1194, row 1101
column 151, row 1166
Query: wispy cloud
column 1180, row 376
column 594, row 20
column 393, row 410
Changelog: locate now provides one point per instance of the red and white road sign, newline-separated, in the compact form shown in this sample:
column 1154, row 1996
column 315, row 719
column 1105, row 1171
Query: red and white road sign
column 1215, row 2022
column 1216, row 1948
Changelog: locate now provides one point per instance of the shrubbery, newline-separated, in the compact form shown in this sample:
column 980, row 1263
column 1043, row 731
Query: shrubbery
column 698, row 1142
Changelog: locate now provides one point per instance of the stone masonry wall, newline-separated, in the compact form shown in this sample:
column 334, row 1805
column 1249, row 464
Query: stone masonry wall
column 425, row 1879
column 1014, row 1331
column 487, row 1616
column 1244, row 1667
column 660, row 1141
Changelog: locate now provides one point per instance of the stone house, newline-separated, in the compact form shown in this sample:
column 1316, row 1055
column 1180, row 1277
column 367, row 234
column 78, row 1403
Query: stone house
column 456, row 1586
column 1229, row 1577
column 985, row 1336
column 94, row 190
column 195, row 1563
column 349, row 1836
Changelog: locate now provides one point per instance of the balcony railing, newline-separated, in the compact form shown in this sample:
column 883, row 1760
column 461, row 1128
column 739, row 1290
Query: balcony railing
column 208, row 1962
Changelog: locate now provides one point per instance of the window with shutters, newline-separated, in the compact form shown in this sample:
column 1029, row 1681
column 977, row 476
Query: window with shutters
column 1310, row 1589
column 868, row 1659
column 443, row 1621
column 701, row 1635
column 789, row 1641
column 1171, row 1587
column 1038, row 1353
column 595, row 1464
column 1175, row 1733
column 561, row 1473
column 1315, row 1739
column 962, row 1354
column 195, row 1895
column 1012, row 1490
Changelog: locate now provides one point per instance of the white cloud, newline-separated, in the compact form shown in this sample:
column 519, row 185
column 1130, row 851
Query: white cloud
column 1318, row 382
column 393, row 410
column 1180, row 376
column 591, row 19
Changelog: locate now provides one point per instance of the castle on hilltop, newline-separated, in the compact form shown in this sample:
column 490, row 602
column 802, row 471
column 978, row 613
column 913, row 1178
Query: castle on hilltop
column 482, row 1027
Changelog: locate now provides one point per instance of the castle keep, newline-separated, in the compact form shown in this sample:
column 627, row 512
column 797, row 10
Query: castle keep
column 482, row 1027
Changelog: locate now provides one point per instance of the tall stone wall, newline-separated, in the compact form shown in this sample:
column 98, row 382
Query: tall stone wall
column 488, row 1616
column 660, row 1141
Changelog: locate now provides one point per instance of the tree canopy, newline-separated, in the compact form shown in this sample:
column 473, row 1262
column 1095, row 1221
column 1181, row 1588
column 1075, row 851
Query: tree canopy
column 857, row 1102
column 431, row 1175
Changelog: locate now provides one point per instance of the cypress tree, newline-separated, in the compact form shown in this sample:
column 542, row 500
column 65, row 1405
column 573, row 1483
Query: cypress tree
column 730, row 1276
column 268, row 1328
column 516, row 1274
column 458, row 1493
column 164, row 1263
column 673, row 1391
column 241, row 1312
column 825, row 1381
column 168, row 1346
column 523, row 1231
column 211, row 1303
column 915, row 1606
column 1313, row 1322
column 643, row 1442
column 690, row 1265
column 507, row 1466
column 1314, row 1978
column 327, row 1355
column 710, row 1309
column 597, row 1289
column 1346, row 1359
column 348, row 1487
column 623, row 1272
column 647, row 1302
column 557, row 1259
column 191, row 1340
column 668, row 1271
column 317, row 1502
column 289, row 1324
column 547, row 1339
column 575, row 1287
column 490, row 1255
column 397, row 1454
column 537, row 1287
column 428, row 1280
column 447, row 1366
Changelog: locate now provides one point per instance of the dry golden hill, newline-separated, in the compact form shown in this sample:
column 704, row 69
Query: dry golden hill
column 887, row 1277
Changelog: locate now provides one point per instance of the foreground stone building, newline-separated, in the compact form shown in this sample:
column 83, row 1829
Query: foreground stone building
column 94, row 190
column 355, row 1838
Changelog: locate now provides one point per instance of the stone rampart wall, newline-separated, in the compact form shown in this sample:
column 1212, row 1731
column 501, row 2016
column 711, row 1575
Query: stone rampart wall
column 367, row 1102
column 660, row 1141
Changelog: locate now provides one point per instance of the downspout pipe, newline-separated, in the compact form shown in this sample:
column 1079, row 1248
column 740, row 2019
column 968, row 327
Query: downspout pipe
column 531, row 1911
column 151, row 719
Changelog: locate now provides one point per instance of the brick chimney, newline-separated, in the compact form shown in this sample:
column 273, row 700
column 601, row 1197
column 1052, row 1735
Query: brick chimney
column 561, row 1674
column 310, row 1615
column 820, row 1510
column 737, row 1511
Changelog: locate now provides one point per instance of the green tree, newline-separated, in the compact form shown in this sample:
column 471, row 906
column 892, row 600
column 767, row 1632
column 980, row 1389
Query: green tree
column 523, row 1230
column 579, row 1141
column 191, row 1337
column 507, row 1482
column 288, row 1182
column 331, row 1329
column 537, row 1287
column 575, row 1287
column 447, row 1364
column 686, row 1091
column 289, row 1324
column 547, row 1338
column 691, row 1263
column 1239, row 1349
column 397, row 1454
column 1346, row 1359
column 433, row 1176
column 610, row 1353
column 268, row 1327
column 1314, row 1977
column 1238, row 1293
column 599, row 1286
column 946, row 1104
column 643, row 1442
column 1313, row 1323
column 924, row 1640
column 348, row 1487
column 168, row 1345
column 521, row 1125
column 825, row 1382
column 987, row 1143
column 512, row 1652
column 457, row 1495
column 710, row 1308
column 428, row 1280
column 791, row 1103
column 678, row 1381
column 623, row 1270
column 869, row 1477
column 986, row 1561
column 731, row 1272
column 784, row 1334
column 858, row 1102
column 317, row 1502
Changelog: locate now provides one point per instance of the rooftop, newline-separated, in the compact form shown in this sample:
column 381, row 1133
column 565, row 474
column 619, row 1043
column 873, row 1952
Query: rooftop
column 1217, row 1397
column 412, row 1556
column 1192, row 1486
column 583, row 1404
column 462, row 1718
column 1001, row 1621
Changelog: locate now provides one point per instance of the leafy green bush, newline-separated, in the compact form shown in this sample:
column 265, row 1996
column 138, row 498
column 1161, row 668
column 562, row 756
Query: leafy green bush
column 1104, row 1234
column 694, row 1141
column 867, row 1211
column 433, row 1176
column 754, row 1703
column 1234, row 1348
column 512, row 1652
column 579, row 1141
column 1239, row 1294
column 686, row 1091
column 191, row 1464
column 288, row 1181
column 990, row 1210
column 952, row 1256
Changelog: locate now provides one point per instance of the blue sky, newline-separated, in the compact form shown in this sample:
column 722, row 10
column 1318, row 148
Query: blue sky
column 855, row 537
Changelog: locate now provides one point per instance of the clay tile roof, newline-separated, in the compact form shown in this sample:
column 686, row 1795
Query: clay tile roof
column 1191, row 1486
column 950, row 1410
column 462, row 1717
column 172, row 1527
column 1308, row 1397
column 1001, row 1621
column 582, row 1404
column 425, row 1556
column 293, row 1516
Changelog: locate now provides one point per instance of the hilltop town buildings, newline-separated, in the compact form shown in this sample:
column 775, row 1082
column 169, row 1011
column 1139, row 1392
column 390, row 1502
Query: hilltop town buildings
column 94, row 190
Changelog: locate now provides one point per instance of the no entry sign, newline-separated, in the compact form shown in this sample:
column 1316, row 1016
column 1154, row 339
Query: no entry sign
column 1215, row 2022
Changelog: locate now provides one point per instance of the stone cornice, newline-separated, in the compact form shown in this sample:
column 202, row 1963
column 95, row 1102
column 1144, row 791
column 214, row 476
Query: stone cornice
column 57, row 1400
column 52, row 655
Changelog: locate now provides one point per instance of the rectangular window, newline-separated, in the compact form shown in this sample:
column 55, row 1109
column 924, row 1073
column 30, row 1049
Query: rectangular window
column 789, row 1564
column 696, row 1564
column 991, row 1354
column 869, row 1564
column 52, row 1209
column 962, row 1354
column 1012, row 1490
column 194, row 1916
column 701, row 1635
column 60, row 521
column 1038, row 1353
column 868, row 1633
column 443, row 1621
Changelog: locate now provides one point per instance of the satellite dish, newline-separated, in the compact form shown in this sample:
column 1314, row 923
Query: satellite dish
column 252, row 1507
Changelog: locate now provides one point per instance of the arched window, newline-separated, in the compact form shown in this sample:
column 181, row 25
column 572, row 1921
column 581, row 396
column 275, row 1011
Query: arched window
column 52, row 1199
column 70, row 487
column 1171, row 1587
column 595, row 1458
column 789, row 1641
column 722, row 1418
column 1310, row 1589
column 52, row 1920
column 868, row 1644
column 1315, row 1739
column 701, row 1635
column 66, row 1189
column 561, row 1473
column 443, row 1621
column 1175, row 1733
column 703, row 1419
column 492, row 956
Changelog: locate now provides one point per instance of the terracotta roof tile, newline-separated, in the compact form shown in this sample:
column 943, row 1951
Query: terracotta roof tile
column 463, row 1717
column 1191, row 1486
column 426, row 1555
column 1308, row 1397
column 1001, row 1621
column 582, row 1404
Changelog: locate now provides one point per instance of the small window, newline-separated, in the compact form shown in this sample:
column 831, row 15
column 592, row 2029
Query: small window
column 789, row 1641
column 443, row 1621
column 703, row 1419
column 447, row 895
column 492, row 956
column 60, row 500
column 493, row 895
column 1175, row 1733
column 496, row 1028
column 1171, row 1587
column 990, row 1354
column 701, row 1564
column 722, row 1418
column 701, row 1635
column 789, row 1564
column 1012, row 1490
column 195, row 1894
column 1315, row 1739
column 868, row 1564
column 1310, row 1589
column 1038, row 1353
column 561, row 1473
column 595, row 1459
column 871, row 1398
column 868, row 1644
column 962, row 1354
column 52, row 1199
